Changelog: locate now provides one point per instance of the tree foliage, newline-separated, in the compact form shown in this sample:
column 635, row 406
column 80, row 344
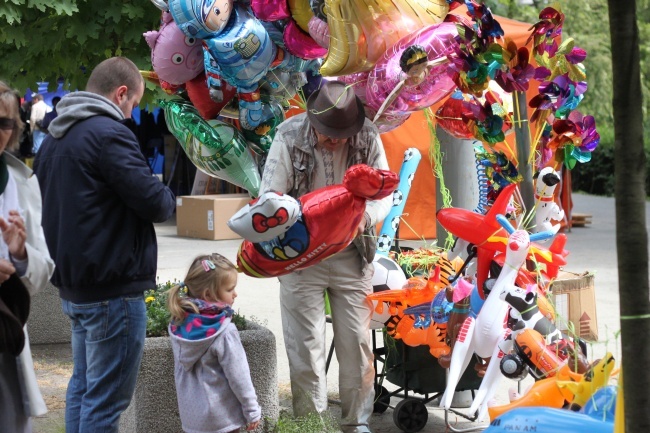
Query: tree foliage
column 587, row 22
column 45, row 40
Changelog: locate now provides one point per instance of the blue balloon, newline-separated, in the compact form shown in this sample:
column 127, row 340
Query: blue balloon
column 602, row 404
column 242, row 49
column 547, row 420
column 389, row 227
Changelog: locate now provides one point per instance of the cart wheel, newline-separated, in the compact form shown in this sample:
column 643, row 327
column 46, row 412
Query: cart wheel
column 410, row 415
column 382, row 399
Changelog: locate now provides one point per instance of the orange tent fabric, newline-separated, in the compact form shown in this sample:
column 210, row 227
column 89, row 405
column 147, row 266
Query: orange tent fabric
column 418, row 220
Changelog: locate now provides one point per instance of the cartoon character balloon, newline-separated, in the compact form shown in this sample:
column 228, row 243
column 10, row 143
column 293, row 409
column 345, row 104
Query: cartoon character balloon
column 266, row 217
column 415, row 66
column 239, row 44
column 175, row 57
column 316, row 235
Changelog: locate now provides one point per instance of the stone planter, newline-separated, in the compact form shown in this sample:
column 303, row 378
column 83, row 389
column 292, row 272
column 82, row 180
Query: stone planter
column 154, row 407
column 47, row 324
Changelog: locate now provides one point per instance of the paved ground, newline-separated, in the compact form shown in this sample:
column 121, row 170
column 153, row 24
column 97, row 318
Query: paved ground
column 591, row 248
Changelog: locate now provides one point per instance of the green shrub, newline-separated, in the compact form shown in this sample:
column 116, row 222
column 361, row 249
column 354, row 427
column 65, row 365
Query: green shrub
column 158, row 315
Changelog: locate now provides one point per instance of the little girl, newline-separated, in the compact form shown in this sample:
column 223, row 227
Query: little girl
column 213, row 384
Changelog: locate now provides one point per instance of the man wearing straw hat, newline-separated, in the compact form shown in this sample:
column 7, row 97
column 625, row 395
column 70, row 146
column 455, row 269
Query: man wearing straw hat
column 310, row 151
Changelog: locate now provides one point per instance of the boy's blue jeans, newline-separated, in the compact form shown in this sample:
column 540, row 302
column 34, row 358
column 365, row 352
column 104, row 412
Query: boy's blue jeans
column 107, row 344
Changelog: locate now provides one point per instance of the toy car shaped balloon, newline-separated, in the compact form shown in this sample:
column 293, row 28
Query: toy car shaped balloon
column 329, row 220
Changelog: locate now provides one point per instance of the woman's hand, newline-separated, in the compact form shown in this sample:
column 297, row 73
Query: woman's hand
column 6, row 269
column 14, row 235
column 252, row 425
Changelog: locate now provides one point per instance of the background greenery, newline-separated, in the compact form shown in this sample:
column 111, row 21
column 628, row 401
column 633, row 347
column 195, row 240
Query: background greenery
column 587, row 22
column 47, row 40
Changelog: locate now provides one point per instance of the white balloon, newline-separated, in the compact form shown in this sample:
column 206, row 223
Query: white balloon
column 266, row 217
column 388, row 276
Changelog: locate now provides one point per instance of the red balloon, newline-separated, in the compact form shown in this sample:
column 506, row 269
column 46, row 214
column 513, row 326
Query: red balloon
column 449, row 118
column 329, row 221
column 198, row 92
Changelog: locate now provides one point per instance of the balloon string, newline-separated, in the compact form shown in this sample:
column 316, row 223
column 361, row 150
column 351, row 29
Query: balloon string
column 333, row 105
column 448, row 118
column 638, row 317
column 402, row 220
column 533, row 147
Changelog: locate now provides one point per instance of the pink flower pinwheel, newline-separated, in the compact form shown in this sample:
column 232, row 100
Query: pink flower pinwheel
column 577, row 136
column 546, row 30
column 517, row 76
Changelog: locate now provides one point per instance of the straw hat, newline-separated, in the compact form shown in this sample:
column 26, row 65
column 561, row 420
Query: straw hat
column 335, row 111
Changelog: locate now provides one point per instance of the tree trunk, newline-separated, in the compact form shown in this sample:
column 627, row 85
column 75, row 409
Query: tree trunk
column 631, row 231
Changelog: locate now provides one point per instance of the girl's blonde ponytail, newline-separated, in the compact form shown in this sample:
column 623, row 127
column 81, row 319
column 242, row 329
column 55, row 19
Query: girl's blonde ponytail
column 179, row 305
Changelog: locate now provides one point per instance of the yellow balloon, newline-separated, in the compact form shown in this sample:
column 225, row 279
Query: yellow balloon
column 619, row 415
column 301, row 13
column 339, row 49
column 362, row 30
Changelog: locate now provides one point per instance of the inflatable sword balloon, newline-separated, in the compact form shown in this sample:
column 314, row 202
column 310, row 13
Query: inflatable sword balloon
column 389, row 227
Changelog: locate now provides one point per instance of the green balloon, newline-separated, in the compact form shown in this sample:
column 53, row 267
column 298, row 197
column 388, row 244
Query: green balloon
column 214, row 147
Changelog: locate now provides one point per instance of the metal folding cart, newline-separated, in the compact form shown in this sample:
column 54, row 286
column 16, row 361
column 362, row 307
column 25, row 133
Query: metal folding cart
column 419, row 378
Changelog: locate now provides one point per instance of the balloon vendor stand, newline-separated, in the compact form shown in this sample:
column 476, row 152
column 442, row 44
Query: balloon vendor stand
column 420, row 380
column 415, row 371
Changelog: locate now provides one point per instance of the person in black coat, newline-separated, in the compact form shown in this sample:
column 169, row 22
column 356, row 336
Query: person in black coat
column 100, row 202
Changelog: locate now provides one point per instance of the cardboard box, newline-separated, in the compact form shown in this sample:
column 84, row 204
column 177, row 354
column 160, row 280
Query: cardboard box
column 205, row 216
column 574, row 298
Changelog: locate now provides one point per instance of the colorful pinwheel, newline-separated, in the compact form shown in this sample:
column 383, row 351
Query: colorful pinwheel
column 518, row 73
column 576, row 136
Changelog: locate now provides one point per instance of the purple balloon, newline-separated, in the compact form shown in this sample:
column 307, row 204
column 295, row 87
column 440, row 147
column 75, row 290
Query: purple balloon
column 314, row 80
column 271, row 10
column 300, row 44
column 437, row 40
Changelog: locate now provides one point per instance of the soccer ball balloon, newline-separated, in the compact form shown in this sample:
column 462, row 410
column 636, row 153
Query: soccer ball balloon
column 388, row 276
column 384, row 243
column 398, row 196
